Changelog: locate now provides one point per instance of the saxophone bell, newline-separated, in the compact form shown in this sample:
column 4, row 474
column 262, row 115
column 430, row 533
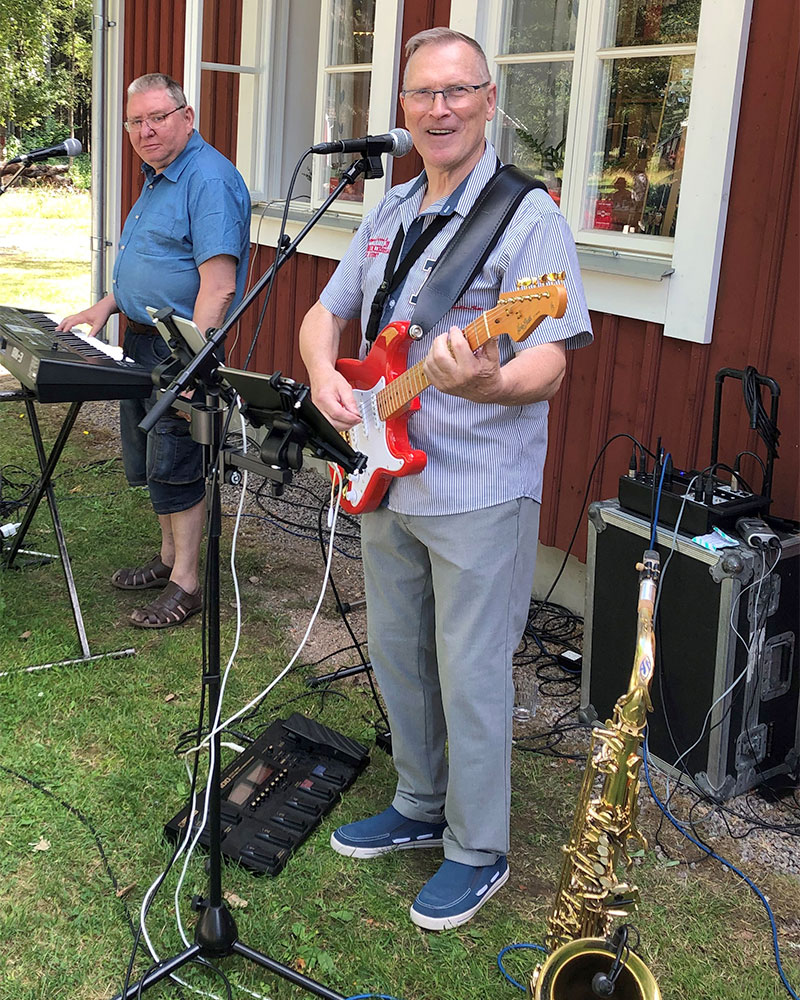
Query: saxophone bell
column 588, row 968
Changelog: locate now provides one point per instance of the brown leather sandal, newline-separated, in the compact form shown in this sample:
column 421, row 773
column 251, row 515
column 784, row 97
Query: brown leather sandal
column 172, row 607
column 152, row 574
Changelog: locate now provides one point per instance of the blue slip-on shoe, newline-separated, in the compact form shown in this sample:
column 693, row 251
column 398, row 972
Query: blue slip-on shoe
column 388, row 831
column 456, row 893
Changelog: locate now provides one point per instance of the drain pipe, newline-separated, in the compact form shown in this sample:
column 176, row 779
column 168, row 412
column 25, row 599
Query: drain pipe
column 99, row 85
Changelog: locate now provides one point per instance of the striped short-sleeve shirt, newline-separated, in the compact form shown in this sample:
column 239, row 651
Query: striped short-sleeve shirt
column 478, row 454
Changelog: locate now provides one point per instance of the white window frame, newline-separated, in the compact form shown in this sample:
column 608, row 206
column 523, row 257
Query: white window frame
column 260, row 132
column 669, row 281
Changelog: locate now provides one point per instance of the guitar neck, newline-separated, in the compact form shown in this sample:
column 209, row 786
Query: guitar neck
column 516, row 314
column 394, row 397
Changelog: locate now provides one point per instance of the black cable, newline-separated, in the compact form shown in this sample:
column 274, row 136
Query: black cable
column 343, row 614
column 759, row 419
column 280, row 249
column 82, row 818
column 752, row 454
column 579, row 521
column 21, row 491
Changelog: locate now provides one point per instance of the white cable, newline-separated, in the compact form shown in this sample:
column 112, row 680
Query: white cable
column 192, row 805
column 673, row 543
column 747, row 668
column 226, row 674
column 332, row 519
column 333, row 514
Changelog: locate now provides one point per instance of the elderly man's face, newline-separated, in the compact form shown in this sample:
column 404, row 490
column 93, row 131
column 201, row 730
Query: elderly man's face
column 158, row 146
column 448, row 139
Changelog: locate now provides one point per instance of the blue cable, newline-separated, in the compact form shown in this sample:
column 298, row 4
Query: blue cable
column 681, row 829
column 511, row 947
column 667, row 458
column 366, row 996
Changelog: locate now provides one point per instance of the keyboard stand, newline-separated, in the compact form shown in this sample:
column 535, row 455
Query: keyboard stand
column 47, row 464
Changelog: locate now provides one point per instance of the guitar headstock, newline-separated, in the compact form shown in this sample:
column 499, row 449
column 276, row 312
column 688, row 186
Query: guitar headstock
column 519, row 313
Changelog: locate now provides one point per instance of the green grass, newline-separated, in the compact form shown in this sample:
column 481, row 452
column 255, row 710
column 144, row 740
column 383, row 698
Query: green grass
column 45, row 246
column 92, row 745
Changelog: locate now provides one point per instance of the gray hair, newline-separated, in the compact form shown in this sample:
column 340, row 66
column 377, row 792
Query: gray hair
column 442, row 36
column 158, row 81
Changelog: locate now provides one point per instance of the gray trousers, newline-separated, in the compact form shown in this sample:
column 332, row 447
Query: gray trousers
column 447, row 602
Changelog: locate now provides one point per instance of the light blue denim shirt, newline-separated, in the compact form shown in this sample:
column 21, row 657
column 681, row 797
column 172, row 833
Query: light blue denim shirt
column 197, row 208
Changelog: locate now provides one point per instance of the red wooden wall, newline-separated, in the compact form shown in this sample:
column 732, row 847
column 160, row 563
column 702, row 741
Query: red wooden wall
column 153, row 43
column 632, row 379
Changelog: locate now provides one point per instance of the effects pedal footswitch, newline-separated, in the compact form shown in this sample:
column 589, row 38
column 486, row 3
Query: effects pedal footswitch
column 278, row 790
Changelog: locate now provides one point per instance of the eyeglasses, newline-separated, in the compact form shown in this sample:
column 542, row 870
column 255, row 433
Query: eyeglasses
column 457, row 96
column 154, row 121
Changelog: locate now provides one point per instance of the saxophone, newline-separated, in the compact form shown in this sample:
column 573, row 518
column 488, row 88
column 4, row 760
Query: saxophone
column 584, row 963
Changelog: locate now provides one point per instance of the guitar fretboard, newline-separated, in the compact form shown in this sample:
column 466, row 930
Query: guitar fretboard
column 512, row 315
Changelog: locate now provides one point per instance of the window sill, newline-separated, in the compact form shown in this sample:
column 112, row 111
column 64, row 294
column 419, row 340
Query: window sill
column 330, row 237
column 300, row 211
column 624, row 264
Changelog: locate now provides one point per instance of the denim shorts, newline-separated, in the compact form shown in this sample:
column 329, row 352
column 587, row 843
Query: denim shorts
column 167, row 460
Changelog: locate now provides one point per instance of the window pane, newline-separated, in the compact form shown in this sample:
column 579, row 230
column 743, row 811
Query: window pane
column 352, row 33
column 639, row 145
column 346, row 115
column 531, row 120
column 539, row 26
column 652, row 22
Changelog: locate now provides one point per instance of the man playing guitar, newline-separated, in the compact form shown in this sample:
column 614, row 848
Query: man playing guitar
column 449, row 555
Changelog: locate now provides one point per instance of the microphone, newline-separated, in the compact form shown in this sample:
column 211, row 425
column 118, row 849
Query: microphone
column 398, row 142
column 69, row 147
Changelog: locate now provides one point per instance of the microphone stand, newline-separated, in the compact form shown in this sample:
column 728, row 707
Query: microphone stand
column 216, row 935
column 4, row 188
column 204, row 362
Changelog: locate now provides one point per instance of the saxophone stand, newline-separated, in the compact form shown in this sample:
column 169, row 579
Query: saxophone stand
column 294, row 424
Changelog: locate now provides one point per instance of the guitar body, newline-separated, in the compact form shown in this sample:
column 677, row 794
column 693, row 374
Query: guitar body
column 385, row 443
column 387, row 391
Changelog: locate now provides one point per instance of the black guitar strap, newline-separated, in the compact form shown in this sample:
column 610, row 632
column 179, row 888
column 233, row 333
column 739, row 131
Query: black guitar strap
column 468, row 251
column 394, row 278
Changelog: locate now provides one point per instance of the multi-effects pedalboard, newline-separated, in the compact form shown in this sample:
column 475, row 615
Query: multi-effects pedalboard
column 277, row 791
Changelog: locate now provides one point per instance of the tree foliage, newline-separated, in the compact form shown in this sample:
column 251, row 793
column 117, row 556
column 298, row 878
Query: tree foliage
column 45, row 64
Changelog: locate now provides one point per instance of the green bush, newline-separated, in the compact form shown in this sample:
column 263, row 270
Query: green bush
column 80, row 172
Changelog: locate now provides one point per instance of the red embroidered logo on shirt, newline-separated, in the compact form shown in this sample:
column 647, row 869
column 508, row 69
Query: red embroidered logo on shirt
column 376, row 247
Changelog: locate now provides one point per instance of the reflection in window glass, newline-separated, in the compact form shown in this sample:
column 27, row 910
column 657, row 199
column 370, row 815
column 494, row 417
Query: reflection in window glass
column 539, row 26
column 531, row 121
column 346, row 114
column 637, row 161
column 352, row 32
column 652, row 22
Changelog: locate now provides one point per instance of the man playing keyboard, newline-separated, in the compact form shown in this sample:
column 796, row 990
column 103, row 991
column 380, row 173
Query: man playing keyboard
column 185, row 244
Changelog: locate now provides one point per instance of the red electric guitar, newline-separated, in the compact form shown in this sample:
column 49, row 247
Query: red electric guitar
column 386, row 391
